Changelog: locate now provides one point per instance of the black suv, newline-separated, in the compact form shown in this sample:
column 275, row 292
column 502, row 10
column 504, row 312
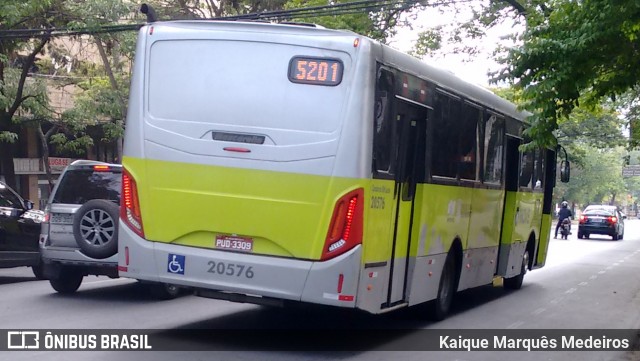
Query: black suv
column 19, row 231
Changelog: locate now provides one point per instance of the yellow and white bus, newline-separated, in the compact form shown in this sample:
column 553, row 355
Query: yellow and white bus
column 268, row 163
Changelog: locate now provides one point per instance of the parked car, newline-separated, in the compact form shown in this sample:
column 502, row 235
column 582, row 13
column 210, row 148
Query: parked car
column 19, row 231
column 601, row 219
column 79, row 234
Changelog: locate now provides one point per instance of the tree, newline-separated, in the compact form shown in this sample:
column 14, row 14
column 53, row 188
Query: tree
column 373, row 20
column 112, row 48
column 583, row 51
column 15, row 92
column 569, row 53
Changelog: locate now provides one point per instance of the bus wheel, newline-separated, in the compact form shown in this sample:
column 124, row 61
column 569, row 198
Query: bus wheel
column 439, row 308
column 515, row 283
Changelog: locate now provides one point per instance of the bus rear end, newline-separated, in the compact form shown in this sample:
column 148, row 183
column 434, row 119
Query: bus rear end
column 233, row 183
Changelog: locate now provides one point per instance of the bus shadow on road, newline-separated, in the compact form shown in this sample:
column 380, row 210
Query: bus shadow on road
column 303, row 328
column 130, row 292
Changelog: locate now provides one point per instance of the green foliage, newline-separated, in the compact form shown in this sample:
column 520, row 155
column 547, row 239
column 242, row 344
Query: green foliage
column 35, row 103
column 593, row 138
column 428, row 42
column 583, row 52
column 98, row 101
column 564, row 53
column 360, row 23
column 599, row 179
column 8, row 137
column 76, row 145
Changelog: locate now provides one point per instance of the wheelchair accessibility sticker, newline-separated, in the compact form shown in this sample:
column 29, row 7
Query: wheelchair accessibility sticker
column 175, row 264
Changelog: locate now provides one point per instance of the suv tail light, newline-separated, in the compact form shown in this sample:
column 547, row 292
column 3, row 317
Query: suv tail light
column 345, row 229
column 47, row 215
column 130, row 207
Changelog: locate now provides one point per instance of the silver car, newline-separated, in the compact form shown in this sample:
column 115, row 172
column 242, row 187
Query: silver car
column 79, row 235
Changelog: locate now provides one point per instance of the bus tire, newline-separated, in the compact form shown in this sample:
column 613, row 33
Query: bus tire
column 438, row 309
column 515, row 283
column 164, row 291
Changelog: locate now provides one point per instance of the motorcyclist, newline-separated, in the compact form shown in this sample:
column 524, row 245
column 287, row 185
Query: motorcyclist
column 563, row 214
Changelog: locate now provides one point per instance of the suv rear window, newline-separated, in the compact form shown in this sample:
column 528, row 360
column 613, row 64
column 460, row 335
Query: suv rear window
column 81, row 185
column 599, row 212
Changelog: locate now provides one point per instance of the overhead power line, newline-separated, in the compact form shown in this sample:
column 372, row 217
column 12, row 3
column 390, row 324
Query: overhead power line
column 275, row 15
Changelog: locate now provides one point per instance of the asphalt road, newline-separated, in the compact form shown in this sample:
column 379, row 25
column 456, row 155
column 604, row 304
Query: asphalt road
column 586, row 284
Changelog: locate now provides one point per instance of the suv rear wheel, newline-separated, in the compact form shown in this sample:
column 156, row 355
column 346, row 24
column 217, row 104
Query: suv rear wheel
column 38, row 271
column 95, row 228
column 67, row 282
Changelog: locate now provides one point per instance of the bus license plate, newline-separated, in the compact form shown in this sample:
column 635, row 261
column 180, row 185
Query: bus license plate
column 234, row 243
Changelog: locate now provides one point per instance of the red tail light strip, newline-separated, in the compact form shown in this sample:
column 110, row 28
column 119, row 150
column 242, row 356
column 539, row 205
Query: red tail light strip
column 130, row 207
column 345, row 229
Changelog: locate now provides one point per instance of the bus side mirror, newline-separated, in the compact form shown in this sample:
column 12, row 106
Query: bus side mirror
column 565, row 171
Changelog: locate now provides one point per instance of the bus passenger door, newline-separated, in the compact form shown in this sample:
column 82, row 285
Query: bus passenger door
column 410, row 121
column 512, row 166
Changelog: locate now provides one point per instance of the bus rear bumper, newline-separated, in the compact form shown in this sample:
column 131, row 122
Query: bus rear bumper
column 333, row 282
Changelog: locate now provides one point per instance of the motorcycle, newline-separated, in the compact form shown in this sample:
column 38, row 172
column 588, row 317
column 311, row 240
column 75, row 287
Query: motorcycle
column 565, row 228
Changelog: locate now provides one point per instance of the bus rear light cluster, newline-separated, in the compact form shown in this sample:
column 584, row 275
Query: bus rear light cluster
column 345, row 229
column 130, row 207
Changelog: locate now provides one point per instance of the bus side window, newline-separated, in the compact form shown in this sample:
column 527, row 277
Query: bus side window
column 383, row 130
column 526, row 169
column 493, row 149
column 538, row 172
column 444, row 162
column 468, row 150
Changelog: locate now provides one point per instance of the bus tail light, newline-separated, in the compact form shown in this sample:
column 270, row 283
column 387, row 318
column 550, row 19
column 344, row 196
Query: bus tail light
column 345, row 229
column 130, row 207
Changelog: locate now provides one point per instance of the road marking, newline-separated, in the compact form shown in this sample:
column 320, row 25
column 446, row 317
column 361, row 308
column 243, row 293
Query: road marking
column 557, row 300
column 621, row 261
column 602, row 272
column 616, row 264
column 538, row 311
column 571, row 290
column 593, row 277
column 583, row 283
column 610, row 267
column 516, row 324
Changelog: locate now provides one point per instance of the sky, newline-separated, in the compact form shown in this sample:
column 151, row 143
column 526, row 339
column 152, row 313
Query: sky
column 473, row 70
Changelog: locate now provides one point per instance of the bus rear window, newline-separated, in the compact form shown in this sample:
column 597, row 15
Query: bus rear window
column 245, row 84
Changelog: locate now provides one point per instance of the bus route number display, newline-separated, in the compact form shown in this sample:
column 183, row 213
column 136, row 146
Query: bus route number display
column 316, row 71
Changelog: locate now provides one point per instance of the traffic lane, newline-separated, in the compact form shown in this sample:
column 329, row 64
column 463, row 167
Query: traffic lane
column 102, row 303
column 473, row 309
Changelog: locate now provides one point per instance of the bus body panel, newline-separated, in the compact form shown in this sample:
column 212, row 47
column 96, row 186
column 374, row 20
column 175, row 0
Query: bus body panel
column 281, row 278
column 283, row 214
column 543, row 244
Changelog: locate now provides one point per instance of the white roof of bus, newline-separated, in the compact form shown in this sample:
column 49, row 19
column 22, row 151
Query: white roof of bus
column 402, row 61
